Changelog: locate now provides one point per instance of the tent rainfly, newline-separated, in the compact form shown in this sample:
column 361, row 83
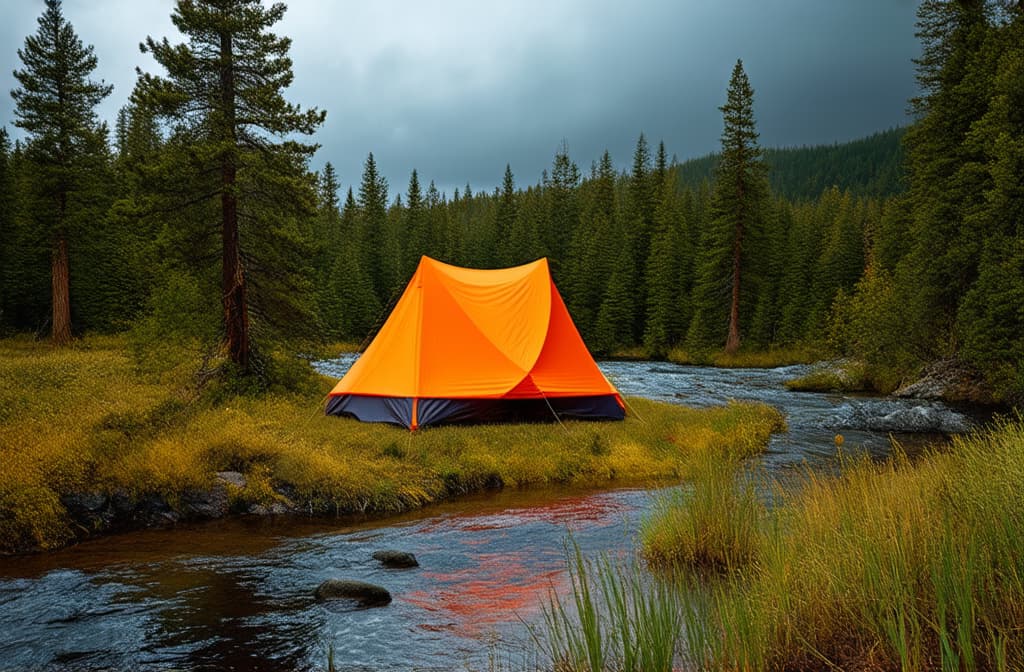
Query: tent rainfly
column 465, row 345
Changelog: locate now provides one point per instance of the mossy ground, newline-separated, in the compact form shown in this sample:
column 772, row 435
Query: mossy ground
column 84, row 419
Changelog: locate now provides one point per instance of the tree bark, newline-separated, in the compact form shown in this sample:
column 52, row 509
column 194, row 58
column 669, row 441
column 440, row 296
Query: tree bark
column 732, row 343
column 236, row 310
column 59, row 282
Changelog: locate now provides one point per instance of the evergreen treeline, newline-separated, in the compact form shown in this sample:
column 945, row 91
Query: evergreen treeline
column 196, row 222
column 871, row 166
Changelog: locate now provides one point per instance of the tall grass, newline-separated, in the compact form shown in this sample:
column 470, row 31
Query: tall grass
column 617, row 618
column 712, row 523
column 888, row 566
column 84, row 419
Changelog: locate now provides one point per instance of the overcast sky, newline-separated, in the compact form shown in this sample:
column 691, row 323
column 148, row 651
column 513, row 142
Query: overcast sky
column 457, row 88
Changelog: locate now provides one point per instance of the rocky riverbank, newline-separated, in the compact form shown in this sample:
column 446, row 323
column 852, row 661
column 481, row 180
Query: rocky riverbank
column 947, row 380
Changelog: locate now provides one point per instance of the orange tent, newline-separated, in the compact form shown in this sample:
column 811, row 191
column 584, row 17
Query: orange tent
column 467, row 345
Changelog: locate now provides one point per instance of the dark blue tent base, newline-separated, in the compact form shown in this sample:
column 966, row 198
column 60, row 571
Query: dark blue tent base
column 398, row 410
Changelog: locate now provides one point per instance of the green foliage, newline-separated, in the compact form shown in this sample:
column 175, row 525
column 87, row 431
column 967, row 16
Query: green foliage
column 618, row 619
column 710, row 525
column 378, row 242
column 869, row 167
column 232, row 179
column 66, row 152
column 644, row 257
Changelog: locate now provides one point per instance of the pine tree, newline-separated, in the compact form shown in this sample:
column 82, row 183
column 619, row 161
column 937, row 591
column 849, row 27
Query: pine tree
column 438, row 223
column 55, row 104
column 639, row 219
column 379, row 247
column 741, row 189
column 357, row 306
column 944, row 164
column 223, row 93
column 666, row 311
column 505, row 220
column 26, row 273
column 563, row 218
column 329, row 243
column 614, row 326
column 416, row 233
column 990, row 319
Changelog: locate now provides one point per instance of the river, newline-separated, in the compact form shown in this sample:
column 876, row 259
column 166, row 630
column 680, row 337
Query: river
column 237, row 594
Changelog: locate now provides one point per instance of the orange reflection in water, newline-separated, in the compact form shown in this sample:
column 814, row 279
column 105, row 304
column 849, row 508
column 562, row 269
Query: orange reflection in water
column 499, row 588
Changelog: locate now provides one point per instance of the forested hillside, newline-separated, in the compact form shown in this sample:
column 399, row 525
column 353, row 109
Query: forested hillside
column 871, row 166
column 188, row 223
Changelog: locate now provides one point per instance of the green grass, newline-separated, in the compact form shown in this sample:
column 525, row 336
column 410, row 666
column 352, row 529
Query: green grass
column 888, row 566
column 846, row 376
column 754, row 359
column 83, row 419
column 616, row 618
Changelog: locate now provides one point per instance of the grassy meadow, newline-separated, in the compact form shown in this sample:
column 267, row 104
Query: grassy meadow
column 85, row 419
column 892, row 566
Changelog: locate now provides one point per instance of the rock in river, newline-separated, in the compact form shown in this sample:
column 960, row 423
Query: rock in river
column 396, row 559
column 366, row 594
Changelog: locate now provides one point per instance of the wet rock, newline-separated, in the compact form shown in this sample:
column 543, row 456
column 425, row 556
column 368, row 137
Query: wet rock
column 212, row 503
column 273, row 509
column 234, row 478
column 154, row 511
column 396, row 559
column 366, row 594
column 900, row 416
column 90, row 510
column 948, row 380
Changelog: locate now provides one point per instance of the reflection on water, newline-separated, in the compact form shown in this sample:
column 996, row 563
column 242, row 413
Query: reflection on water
column 237, row 594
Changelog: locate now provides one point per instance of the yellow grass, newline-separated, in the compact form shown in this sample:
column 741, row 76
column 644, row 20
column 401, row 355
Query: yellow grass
column 84, row 420
column 753, row 359
column 889, row 566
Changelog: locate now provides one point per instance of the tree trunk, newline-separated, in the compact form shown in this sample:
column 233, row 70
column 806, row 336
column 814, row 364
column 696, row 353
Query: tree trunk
column 732, row 342
column 236, row 311
column 59, row 280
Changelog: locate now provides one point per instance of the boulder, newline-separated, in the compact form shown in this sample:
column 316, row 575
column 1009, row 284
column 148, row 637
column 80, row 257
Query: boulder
column 366, row 594
column 92, row 511
column 212, row 503
column 948, row 380
column 396, row 559
column 273, row 509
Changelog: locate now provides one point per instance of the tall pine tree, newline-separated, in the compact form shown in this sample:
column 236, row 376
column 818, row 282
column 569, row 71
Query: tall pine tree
column 738, row 203
column 223, row 95
column 55, row 104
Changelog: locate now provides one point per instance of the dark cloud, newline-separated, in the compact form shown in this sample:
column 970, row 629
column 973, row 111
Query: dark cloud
column 458, row 88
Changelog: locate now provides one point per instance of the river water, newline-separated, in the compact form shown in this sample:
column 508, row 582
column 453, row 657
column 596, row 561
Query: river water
column 237, row 594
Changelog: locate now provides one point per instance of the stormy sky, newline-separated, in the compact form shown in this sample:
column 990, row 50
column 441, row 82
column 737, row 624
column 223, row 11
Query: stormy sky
column 457, row 88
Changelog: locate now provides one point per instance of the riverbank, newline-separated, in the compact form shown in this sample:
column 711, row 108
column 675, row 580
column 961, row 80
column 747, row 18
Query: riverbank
column 893, row 565
column 91, row 445
column 749, row 359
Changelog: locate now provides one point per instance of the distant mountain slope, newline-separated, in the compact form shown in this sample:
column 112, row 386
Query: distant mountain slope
column 871, row 166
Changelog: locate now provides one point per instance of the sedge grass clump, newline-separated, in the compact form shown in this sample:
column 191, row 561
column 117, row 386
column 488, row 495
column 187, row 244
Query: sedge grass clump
column 617, row 617
column 712, row 523
column 899, row 565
